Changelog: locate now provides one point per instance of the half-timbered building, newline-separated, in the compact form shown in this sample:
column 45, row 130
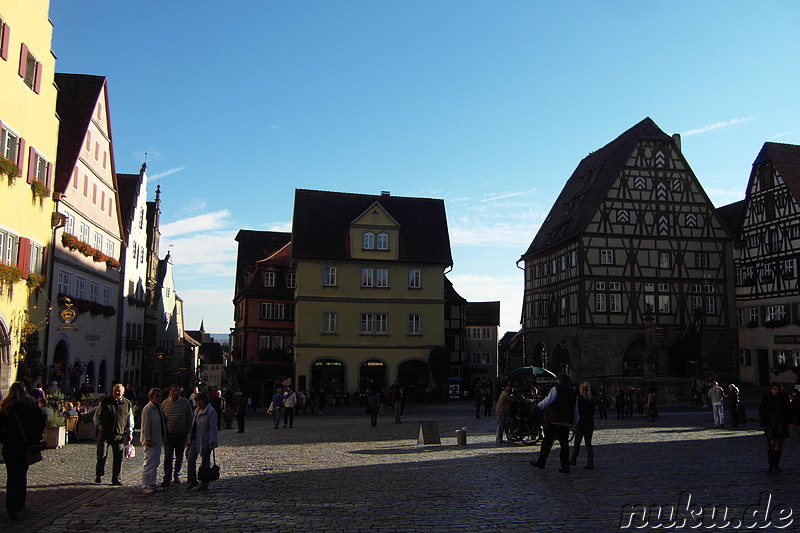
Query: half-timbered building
column 767, row 290
column 630, row 274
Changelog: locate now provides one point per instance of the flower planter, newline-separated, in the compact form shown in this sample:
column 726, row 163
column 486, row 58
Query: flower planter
column 55, row 437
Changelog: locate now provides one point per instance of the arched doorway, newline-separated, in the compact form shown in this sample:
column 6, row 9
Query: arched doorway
column 372, row 375
column 58, row 370
column 633, row 358
column 328, row 374
column 91, row 378
column 102, row 377
column 560, row 360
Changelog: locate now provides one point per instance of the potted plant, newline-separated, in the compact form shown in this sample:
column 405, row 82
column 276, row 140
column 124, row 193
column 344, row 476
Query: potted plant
column 39, row 189
column 36, row 281
column 9, row 168
column 9, row 274
column 55, row 431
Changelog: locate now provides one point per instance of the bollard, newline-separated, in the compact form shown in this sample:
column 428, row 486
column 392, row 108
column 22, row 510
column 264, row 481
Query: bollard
column 461, row 437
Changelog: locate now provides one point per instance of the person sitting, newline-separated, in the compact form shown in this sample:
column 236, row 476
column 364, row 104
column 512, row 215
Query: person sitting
column 69, row 410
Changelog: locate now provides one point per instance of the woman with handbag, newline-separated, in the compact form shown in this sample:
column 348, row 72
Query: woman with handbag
column 202, row 439
column 776, row 419
column 21, row 428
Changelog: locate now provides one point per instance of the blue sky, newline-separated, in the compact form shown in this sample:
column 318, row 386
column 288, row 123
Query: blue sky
column 488, row 105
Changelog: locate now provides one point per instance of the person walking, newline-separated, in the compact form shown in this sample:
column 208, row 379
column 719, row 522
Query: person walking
column 153, row 436
column 584, row 426
column 289, row 402
column 652, row 397
column 21, row 425
column 113, row 419
column 715, row 395
column 487, row 401
column 374, row 404
column 602, row 401
column 277, row 406
column 202, row 439
column 731, row 399
column 501, row 411
column 178, row 413
column 560, row 410
column 478, row 401
column 240, row 404
column 775, row 416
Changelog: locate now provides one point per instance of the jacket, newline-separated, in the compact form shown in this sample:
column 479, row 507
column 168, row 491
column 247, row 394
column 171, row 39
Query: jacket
column 114, row 420
column 154, row 427
column 32, row 420
column 204, row 429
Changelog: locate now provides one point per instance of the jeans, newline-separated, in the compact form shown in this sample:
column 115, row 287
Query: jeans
column 501, row 426
column 276, row 415
column 175, row 444
column 585, row 434
column 719, row 413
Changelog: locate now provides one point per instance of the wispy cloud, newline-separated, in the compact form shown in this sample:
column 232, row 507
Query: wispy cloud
column 201, row 223
column 717, row 126
column 784, row 134
column 500, row 197
column 162, row 175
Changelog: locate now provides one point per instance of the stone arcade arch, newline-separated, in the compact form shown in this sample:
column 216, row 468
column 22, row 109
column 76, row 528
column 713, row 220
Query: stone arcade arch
column 633, row 358
column 328, row 374
column 372, row 375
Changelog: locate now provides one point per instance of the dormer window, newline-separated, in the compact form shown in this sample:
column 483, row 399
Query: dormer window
column 368, row 241
column 269, row 279
column 383, row 241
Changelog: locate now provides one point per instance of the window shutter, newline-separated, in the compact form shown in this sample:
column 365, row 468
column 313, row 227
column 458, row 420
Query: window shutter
column 23, row 60
column 21, row 154
column 49, row 182
column 37, row 80
column 24, row 255
column 4, row 44
column 31, row 165
column 45, row 257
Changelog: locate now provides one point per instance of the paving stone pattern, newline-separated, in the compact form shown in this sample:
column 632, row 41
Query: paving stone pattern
column 336, row 473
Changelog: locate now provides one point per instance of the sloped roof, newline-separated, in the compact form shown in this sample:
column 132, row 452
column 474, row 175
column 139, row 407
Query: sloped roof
column 255, row 246
column 731, row 216
column 320, row 226
column 580, row 198
column 77, row 97
column 786, row 160
column 483, row 313
column 451, row 296
column 128, row 192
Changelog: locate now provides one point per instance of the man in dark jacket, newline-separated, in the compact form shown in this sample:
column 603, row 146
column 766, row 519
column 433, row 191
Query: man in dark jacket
column 559, row 414
column 114, row 421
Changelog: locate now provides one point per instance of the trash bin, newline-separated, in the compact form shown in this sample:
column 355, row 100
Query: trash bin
column 461, row 437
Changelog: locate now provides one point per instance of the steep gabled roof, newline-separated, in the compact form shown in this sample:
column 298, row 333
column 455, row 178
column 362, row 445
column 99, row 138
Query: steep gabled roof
column 321, row 222
column 128, row 193
column 588, row 186
column 255, row 246
column 77, row 97
column 786, row 160
column 732, row 215
column 451, row 296
column 483, row 314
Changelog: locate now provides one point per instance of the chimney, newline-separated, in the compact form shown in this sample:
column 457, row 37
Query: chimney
column 386, row 193
column 676, row 137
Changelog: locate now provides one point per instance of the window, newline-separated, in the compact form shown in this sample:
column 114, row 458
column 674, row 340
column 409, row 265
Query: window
column 64, row 282
column 110, row 248
column 291, row 280
column 269, row 279
column 663, row 287
column 329, row 322
column 795, row 231
column 30, row 70
column 83, row 232
column 367, row 323
column 382, row 277
column 600, row 302
column 740, row 318
column 330, row 277
column 664, row 260
column 663, row 303
column 70, row 225
column 701, row 260
column 263, row 342
column 80, row 288
column 414, row 326
column 94, row 291
column 614, row 286
column 383, row 241
column 266, row 310
column 37, row 170
column 106, row 295
column 599, row 285
column 9, row 145
column 711, row 305
column 607, row 257
column 98, row 240
column 788, row 268
column 5, row 35
column 36, row 257
column 277, row 343
column 615, row 302
column 696, row 287
column 368, row 241
column 381, row 324
column 414, row 279
column 754, row 315
column 650, row 302
column 776, row 312
column 9, row 246
column 737, row 273
column 563, row 305
column 563, row 263
column 574, row 259
column 367, row 277
column 277, row 311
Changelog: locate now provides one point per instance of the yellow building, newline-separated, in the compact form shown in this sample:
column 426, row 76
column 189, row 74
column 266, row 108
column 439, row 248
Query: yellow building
column 28, row 142
column 370, row 289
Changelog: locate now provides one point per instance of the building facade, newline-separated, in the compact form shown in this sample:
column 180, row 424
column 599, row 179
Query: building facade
column 28, row 152
column 768, row 248
column 480, row 351
column 630, row 276
column 370, row 289
column 85, row 280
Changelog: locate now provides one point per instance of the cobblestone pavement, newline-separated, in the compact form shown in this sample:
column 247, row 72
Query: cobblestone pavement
column 335, row 473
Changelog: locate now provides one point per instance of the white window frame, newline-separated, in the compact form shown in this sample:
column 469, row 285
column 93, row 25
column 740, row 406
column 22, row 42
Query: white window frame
column 80, row 287
column 382, row 277
column 329, row 277
column 367, row 324
column 664, row 260
column 9, row 247
column 615, row 302
column 269, row 278
column 414, row 278
column 263, row 342
column 64, row 282
column 83, row 232
column 291, row 280
column 607, row 256
column 600, row 302
column 106, row 295
column 368, row 241
column 664, row 304
column 9, row 144
column 36, row 257
column 381, row 324
column 367, row 277
column 414, row 324
column 94, row 291
column 265, row 312
column 711, row 305
column 98, row 241
column 382, row 241
column 278, row 311
column 329, row 322
column 701, row 259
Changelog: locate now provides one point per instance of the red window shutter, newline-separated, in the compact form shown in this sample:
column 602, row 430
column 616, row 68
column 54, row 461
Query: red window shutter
column 23, row 60
column 49, row 175
column 37, row 80
column 24, row 256
column 4, row 44
column 21, row 154
column 31, row 165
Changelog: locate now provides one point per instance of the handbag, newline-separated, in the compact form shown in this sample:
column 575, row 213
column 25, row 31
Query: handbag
column 209, row 473
column 34, row 451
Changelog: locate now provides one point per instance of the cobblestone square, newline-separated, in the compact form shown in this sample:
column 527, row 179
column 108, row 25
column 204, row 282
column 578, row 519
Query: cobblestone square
column 334, row 472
